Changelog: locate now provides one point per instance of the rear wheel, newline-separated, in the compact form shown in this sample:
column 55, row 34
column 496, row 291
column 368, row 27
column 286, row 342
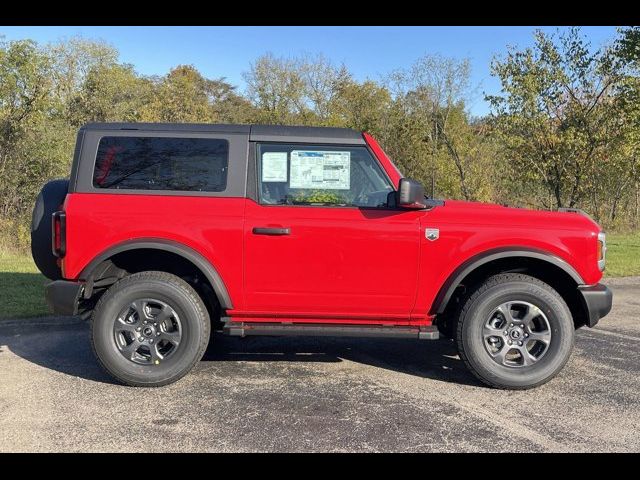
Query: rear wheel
column 514, row 332
column 150, row 329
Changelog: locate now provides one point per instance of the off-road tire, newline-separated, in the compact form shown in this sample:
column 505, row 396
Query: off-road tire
column 477, row 307
column 167, row 288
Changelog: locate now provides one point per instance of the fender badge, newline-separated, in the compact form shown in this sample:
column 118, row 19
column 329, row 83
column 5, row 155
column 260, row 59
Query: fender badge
column 432, row 234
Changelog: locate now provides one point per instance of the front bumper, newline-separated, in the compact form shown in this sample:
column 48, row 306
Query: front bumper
column 63, row 296
column 597, row 301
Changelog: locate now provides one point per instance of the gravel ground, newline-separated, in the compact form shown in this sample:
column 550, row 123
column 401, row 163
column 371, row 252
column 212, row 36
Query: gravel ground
column 320, row 394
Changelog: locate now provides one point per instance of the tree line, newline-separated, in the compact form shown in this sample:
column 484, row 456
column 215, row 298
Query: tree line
column 563, row 132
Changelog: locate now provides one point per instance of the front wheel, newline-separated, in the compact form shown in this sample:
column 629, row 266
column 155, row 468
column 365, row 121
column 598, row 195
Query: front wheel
column 149, row 329
column 514, row 332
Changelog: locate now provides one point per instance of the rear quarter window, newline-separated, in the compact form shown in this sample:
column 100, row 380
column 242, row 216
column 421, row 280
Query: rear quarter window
column 161, row 163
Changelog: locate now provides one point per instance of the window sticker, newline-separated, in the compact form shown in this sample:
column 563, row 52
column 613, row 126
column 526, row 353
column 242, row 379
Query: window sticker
column 317, row 169
column 274, row 167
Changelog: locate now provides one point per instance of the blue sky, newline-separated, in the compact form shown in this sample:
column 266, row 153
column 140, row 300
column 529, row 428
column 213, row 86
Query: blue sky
column 368, row 52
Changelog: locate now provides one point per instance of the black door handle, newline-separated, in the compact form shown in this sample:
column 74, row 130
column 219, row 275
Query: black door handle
column 271, row 231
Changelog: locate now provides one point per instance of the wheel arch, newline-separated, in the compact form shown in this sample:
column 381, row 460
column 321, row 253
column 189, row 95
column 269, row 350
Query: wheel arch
column 496, row 256
column 187, row 253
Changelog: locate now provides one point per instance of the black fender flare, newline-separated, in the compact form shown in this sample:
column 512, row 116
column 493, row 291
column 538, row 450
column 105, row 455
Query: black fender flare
column 456, row 277
column 177, row 248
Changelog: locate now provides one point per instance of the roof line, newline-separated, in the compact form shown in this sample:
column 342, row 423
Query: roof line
column 265, row 133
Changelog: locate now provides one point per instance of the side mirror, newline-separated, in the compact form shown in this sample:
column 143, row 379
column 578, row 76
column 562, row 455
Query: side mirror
column 411, row 194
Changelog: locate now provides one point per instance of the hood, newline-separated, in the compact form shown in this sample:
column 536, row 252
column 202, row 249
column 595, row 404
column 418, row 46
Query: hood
column 494, row 214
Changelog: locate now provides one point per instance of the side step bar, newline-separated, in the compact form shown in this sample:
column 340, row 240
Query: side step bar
column 243, row 329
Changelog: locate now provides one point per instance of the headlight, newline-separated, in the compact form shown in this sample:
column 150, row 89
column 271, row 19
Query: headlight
column 602, row 250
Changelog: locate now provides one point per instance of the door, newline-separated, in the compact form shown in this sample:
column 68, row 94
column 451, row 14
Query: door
column 320, row 241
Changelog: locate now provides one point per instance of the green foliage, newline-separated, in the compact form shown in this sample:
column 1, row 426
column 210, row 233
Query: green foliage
column 15, row 236
column 562, row 123
column 21, row 285
column 565, row 129
column 361, row 106
column 318, row 196
column 623, row 255
column 110, row 93
column 25, row 97
column 295, row 90
column 430, row 135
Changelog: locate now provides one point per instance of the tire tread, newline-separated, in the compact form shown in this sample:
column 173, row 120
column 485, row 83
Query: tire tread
column 468, row 302
column 162, row 277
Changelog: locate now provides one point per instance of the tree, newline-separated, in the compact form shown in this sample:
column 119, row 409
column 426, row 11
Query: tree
column 560, row 119
column 110, row 93
column 323, row 82
column 301, row 90
column 276, row 88
column 25, row 95
column 429, row 98
column 71, row 63
column 564, row 131
column 361, row 106
column 627, row 57
column 185, row 95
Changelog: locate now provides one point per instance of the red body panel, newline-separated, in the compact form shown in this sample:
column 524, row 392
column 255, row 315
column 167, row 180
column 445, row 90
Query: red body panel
column 468, row 229
column 210, row 226
column 338, row 264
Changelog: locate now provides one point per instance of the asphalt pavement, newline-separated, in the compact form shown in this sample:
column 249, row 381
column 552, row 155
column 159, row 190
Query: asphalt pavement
column 320, row 394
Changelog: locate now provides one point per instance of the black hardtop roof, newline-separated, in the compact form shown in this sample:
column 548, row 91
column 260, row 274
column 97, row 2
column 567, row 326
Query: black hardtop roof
column 260, row 133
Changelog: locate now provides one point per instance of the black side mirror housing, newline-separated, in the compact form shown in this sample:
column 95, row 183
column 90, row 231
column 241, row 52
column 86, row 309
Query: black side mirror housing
column 411, row 194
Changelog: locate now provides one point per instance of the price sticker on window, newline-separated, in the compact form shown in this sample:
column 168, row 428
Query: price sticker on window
column 320, row 170
column 274, row 167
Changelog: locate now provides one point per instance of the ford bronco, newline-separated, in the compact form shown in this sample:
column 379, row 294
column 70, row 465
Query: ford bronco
column 167, row 232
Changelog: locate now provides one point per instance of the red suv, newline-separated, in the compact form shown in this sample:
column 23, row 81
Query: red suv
column 166, row 232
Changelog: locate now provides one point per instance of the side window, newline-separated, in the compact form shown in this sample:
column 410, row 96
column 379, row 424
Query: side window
column 302, row 174
column 161, row 163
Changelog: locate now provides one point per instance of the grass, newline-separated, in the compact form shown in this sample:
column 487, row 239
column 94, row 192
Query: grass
column 22, row 286
column 623, row 255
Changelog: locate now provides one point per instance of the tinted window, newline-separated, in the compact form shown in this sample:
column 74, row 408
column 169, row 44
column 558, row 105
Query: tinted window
column 320, row 175
column 157, row 163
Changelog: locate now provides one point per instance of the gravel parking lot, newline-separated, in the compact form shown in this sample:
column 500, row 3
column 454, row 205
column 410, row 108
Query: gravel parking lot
column 320, row 394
